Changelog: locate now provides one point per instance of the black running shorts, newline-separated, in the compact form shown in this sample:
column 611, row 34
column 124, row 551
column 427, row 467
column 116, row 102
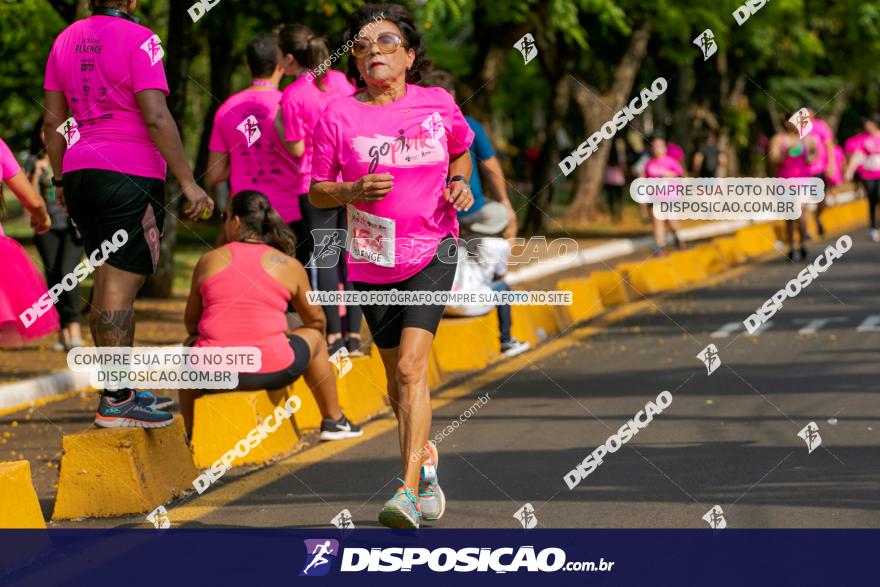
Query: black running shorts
column 102, row 202
column 387, row 322
column 279, row 379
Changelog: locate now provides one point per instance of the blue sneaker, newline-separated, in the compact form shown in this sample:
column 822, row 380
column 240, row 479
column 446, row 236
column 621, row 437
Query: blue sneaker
column 130, row 413
column 157, row 403
column 432, row 500
column 402, row 510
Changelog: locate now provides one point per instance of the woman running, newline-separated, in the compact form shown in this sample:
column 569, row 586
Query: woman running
column 107, row 120
column 793, row 158
column 403, row 153
column 866, row 161
column 239, row 296
column 60, row 248
column 305, row 56
column 21, row 284
column 663, row 164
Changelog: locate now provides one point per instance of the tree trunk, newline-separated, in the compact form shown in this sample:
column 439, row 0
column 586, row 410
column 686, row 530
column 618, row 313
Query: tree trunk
column 179, row 52
column 222, row 66
column 545, row 169
column 597, row 109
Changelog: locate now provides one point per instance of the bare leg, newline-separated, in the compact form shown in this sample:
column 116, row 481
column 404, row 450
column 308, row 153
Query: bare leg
column 111, row 318
column 320, row 375
column 412, row 400
column 187, row 398
column 659, row 231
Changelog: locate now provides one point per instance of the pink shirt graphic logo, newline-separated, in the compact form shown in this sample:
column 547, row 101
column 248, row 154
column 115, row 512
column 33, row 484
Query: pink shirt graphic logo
column 153, row 48
column 434, row 127
column 250, row 129
column 400, row 151
column 70, row 131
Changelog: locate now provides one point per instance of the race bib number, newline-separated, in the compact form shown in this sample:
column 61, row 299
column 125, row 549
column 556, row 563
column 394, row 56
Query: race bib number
column 872, row 162
column 370, row 237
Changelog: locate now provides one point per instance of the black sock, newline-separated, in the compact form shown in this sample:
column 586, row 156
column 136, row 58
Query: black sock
column 117, row 395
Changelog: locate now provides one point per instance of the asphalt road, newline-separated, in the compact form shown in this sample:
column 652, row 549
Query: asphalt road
column 727, row 439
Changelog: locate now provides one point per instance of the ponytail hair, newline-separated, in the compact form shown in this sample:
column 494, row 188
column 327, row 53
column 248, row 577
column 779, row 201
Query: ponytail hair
column 260, row 220
column 307, row 48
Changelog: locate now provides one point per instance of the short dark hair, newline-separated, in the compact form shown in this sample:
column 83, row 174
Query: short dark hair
column 403, row 19
column 262, row 55
column 439, row 78
column 119, row 4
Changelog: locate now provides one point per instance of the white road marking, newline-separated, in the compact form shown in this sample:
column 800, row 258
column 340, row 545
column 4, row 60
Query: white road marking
column 871, row 324
column 813, row 325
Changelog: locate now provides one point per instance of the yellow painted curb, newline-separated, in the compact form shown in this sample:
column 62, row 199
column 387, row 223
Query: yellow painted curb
column 19, row 506
column 612, row 287
column 522, row 328
column 711, row 258
column 654, row 276
column 363, row 390
column 729, row 250
column 309, row 415
column 757, row 239
column 544, row 318
column 586, row 299
column 464, row 344
column 121, row 471
column 687, row 266
column 221, row 420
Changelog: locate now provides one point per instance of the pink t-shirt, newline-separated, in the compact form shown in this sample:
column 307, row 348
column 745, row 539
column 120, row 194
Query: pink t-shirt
column 852, row 145
column 265, row 165
column 8, row 163
column 870, row 150
column 8, row 167
column 822, row 133
column 412, row 139
column 675, row 151
column 666, row 163
column 100, row 63
column 792, row 167
column 301, row 105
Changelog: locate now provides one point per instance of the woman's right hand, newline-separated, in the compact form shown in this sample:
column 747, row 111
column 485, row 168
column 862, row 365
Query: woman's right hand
column 372, row 188
column 198, row 201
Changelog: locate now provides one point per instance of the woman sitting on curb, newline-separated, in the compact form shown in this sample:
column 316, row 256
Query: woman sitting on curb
column 239, row 297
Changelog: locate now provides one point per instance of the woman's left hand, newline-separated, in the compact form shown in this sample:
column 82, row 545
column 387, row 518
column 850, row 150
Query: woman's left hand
column 458, row 193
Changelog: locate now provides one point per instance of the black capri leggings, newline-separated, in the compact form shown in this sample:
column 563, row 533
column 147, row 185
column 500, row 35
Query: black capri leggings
column 279, row 379
column 332, row 271
column 61, row 254
column 872, row 188
column 387, row 322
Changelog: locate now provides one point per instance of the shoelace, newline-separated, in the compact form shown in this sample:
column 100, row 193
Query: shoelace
column 403, row 489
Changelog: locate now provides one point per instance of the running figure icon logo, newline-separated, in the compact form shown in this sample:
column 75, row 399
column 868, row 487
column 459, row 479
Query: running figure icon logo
column 715, row 518
column 710, row 358
column 526, row 46
column 69, row 129
column 343, row 520
column 159, row 518
column 153, row 48
column 250, row 129
column 706, row 43
column 810, row 435
column 342, row 361
column 526, row 516
column 802, row 122
column 319, row 554
column 329, row 246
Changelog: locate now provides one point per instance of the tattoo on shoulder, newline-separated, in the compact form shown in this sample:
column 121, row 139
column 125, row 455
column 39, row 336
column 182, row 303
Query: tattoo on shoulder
column 279, row 259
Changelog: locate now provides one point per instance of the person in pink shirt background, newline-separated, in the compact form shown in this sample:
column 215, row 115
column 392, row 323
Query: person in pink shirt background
column 105, row 90
column 663, row 164
column 403, row 154
column 244, row 147
column 305, row 56
column 795, row 157
column 865, row 160
column 21, row 284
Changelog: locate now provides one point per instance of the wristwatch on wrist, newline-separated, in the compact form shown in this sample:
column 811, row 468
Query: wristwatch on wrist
column 449, row 180
column 58, row 183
